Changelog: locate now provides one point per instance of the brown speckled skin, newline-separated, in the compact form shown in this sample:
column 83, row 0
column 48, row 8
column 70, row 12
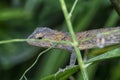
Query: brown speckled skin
column 47, row 33
column 92, row 43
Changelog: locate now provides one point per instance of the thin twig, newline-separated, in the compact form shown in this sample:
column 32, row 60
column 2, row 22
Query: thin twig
column 73, row 7
column 24, row 40
column 75, row 43
column 25, row 77
column 28, row 69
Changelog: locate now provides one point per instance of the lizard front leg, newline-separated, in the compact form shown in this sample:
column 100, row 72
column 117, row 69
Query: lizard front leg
column 72, row 59
column 72, row 56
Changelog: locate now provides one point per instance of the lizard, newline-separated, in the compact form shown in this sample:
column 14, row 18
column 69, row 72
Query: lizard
column 87, row 39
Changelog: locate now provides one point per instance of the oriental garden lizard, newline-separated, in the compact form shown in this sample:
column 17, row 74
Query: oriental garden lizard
column 87, row 39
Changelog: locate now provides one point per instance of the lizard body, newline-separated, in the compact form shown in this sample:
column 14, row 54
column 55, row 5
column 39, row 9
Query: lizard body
column 87, row 39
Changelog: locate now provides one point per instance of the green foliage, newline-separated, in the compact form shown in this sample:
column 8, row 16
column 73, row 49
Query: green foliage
column 65, row 73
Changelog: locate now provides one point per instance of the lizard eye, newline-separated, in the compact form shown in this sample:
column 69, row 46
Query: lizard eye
column 39, row 37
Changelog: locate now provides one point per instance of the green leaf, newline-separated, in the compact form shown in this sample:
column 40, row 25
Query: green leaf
column 110, row 54
column 65, row 73
column 62, row 74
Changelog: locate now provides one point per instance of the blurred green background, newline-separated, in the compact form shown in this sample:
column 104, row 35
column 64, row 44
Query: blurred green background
column 18, row 18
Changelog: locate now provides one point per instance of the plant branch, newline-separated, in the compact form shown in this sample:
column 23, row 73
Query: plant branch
column 73, row 7
column 28, row 69
column 75, row 43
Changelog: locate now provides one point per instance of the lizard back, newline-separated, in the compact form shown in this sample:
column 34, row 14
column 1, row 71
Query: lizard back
column 87, row 39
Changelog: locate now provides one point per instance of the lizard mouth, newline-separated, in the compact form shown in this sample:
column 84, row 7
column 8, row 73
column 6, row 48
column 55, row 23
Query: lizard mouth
column 35, row 42
column 39, row 44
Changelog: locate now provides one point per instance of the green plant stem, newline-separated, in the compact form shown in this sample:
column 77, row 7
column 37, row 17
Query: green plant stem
column 75, row 43
column 73, row 7
column 23, row 75
column 24, row 40
column 13, row 40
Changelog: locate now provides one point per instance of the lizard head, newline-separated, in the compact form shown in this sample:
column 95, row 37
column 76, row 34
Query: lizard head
column 41, row 33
